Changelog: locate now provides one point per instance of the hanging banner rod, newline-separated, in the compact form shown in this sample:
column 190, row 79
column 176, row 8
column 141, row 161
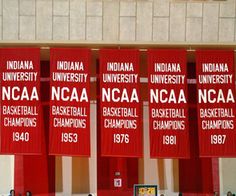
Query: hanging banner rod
column 96, row 45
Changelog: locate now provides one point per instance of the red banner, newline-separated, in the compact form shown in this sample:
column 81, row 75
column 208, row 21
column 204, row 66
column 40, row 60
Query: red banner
column 120, row 104
column 168, row 109
column 216, row 103
column 20, row 101
column 70, row 102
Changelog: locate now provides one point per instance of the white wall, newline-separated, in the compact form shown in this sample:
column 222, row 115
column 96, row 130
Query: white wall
column 6, row 173
column 228, row 175
column 118, row 20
